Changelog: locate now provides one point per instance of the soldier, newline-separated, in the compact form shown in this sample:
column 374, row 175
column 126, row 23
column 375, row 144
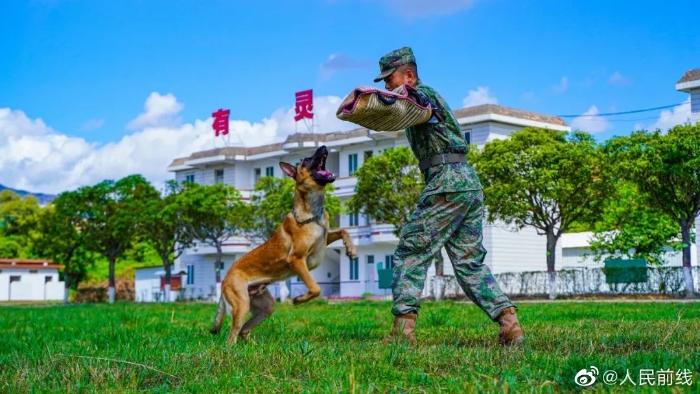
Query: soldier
column 449, row 213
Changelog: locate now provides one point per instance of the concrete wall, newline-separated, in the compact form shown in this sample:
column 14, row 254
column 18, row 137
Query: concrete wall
column 43, row 285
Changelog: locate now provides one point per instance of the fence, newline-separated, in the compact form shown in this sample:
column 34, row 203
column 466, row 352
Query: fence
column 582, row 281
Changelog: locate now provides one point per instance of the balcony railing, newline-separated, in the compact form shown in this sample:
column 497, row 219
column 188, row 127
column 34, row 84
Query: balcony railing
column 382, row 233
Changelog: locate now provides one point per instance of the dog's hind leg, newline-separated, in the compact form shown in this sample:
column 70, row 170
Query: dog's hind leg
column 238, row 297
column 298, row 265
column 262, row 305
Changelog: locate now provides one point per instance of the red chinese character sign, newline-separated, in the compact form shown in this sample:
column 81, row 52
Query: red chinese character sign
column 304, row 106
column 220, row 124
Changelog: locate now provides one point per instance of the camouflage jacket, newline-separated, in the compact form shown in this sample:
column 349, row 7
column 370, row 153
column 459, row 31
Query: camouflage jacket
column 438, row 137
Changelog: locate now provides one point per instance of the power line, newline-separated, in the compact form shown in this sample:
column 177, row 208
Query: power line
column 621, row 113
column 632, row 120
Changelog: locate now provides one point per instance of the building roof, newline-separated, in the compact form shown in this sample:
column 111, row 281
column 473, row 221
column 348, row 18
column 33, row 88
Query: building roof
column 690, row 75
column 361, row 132
column 32, row 264
column 506, row 111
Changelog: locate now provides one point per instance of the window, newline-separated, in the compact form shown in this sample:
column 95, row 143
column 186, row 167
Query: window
column 468, row 136
column 15, row 278
column 48, row 279
column 352, row 162
column 33, row 271
column 190, row 274
column 256, row 176
column 368, row 154
column 219, row 176
column 389, row 261
column 695, row 102
column 370, row 259
column 189, row 177
column 354, row 219
column 354, row 269
column 270, row 171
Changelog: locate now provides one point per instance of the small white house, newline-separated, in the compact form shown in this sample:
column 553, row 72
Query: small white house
column 30, row 280
column 149, row 284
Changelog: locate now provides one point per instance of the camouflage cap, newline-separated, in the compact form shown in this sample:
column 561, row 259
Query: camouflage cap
column 392, row 60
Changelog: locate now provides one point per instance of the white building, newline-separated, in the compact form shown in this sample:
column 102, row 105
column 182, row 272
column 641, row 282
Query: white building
column 508, row 251
column 149, row 284
column 690, row 83
column 573, row 251
column 30, row 280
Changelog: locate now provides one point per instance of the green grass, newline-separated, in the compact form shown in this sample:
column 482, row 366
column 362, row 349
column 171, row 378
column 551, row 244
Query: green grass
column 332, row 348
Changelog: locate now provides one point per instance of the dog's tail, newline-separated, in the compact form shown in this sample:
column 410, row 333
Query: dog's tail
column 220, row 315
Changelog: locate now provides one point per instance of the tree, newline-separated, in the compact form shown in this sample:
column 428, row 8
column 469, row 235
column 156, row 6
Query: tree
column 9, row 248
column 213, row 214
column 666, row 168
column 272, row 200
column 111, row 214
column 542, row 178
column 60, row 239
column 630, row 227
column 388, row 186
column 18, row 220
column 164, row 228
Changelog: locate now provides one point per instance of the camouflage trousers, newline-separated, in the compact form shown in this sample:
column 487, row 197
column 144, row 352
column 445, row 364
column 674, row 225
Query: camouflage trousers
column 452, row 220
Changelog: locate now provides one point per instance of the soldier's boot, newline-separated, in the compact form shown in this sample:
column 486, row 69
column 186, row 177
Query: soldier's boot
column 404, row 325
column 511, row 333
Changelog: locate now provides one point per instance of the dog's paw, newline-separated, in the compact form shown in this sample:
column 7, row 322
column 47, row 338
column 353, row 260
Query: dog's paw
column 297, row 300
column 351, row 252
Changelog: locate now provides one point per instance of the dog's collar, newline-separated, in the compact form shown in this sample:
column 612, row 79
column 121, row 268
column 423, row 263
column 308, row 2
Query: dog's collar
column 305, row 221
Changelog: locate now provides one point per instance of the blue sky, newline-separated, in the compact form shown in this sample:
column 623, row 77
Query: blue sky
column 76, row 76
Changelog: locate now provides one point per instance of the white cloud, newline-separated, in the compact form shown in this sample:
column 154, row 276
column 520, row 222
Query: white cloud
column 479, row 96
column 618, row 79
column 160, row 111
column 679, row 114
column 562, row 86
column 591, row 122
column 37, row 158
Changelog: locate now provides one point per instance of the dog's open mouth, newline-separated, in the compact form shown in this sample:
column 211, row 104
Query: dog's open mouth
column 321, row 173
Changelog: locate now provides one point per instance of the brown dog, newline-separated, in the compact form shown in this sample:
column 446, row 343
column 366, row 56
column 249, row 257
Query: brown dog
column 297, row 247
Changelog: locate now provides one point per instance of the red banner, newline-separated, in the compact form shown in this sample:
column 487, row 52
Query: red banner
column 304, row 105
column 220, row 124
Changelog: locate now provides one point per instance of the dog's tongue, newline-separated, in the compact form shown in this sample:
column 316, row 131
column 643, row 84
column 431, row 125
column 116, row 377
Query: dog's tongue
column 323, row 173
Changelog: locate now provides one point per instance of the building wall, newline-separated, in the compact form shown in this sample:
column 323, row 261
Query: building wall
column 479, row 133
column 31, row 286
column 515, row 250
column 147, row 282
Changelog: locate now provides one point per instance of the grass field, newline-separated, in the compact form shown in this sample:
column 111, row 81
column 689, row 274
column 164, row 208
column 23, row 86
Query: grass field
column 321, row 347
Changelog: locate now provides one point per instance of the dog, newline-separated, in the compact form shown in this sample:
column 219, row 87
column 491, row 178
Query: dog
column 297, row 247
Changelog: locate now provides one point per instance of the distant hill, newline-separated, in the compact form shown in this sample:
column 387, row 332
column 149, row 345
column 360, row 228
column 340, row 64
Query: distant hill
column 43, row 198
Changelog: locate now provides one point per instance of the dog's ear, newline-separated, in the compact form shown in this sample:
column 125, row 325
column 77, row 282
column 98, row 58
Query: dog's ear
column 289, row 169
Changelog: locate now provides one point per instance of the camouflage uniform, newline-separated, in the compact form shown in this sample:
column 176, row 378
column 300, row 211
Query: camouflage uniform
column 449, row 211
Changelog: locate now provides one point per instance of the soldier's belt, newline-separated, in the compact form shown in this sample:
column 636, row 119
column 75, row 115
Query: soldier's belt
column 442, row 159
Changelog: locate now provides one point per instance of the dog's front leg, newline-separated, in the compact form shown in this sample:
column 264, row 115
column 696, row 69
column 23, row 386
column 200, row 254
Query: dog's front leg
column 350, row 248
column 297, row 261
